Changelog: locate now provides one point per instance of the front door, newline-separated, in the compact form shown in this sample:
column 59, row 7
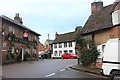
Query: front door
column 21, row 54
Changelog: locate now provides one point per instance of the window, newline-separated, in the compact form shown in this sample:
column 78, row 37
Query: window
column 55, row 53
column 103, row 46
column 11, row 29
column 4, row 44
column 60, row 45
column 65, row 51
column 60, row 53
column 55, row 45
column 70, row 44
column 65, row 44
column 13, row 50
column 70, row 51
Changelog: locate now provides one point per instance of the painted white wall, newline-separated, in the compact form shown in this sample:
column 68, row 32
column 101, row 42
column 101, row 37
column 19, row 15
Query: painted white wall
column 100, row 48
column 63, row 48
column 116, row 17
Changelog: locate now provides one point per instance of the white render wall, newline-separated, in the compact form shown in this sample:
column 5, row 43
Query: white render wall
column 63, row 48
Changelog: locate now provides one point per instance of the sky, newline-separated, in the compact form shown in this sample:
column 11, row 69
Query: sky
column 49, row 16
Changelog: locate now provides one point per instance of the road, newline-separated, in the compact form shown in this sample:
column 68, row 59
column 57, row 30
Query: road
column 49, row 68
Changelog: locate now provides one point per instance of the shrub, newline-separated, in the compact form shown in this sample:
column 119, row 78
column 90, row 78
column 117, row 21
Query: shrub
column 89, row 55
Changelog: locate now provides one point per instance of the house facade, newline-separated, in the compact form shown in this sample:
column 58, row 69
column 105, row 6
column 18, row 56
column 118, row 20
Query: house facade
column 102, row 25
column 17, row 40
column 63, row 43
column 48, row 48
column 40, row 47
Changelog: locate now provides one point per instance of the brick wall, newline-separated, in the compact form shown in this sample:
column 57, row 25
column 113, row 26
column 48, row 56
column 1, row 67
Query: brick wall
column 104, row 35
column 18, row 31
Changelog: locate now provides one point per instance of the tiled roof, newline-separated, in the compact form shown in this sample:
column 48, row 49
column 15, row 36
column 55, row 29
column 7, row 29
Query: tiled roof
column 100, row 20
column 65, row 37
column 19, row 24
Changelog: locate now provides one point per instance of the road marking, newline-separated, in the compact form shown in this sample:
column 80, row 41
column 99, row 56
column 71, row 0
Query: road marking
column 50, row 75
column 62, row 69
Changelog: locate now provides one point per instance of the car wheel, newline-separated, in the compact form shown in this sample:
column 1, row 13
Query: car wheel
column 116, row 77
column 72, row 57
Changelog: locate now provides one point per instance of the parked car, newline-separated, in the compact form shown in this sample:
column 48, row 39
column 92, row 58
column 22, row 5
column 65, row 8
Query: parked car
column 111, row 59
column 43, row 55
column 69, row 55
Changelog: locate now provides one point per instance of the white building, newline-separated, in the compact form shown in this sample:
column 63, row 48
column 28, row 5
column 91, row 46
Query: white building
column 63, row 43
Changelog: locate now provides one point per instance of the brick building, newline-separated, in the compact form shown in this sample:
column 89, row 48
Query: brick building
column 40, row 47
column 18, row 41
column 48, row 46
column 102, row 25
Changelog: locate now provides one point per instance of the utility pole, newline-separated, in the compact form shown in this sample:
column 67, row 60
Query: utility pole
column 0, row 47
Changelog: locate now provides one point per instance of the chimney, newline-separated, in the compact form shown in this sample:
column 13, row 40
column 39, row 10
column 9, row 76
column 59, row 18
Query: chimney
column 56, row 34
column 96, row 6
column 117, row 0
column 18, row 19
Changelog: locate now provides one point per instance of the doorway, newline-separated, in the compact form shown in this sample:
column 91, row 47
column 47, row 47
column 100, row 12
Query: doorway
column 21, row 54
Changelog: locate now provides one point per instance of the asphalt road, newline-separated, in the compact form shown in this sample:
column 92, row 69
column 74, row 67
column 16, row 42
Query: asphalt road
column 49, row 68
column 36, row 69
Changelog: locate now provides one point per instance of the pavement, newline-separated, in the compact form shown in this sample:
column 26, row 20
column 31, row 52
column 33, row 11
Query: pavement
column 89, row 69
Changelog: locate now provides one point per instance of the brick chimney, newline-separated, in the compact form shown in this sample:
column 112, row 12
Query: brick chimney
column 56, row 34
column 18, row 19
column 96, row 6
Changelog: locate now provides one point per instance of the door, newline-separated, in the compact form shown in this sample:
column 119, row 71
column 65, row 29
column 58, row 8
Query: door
column 21, row 54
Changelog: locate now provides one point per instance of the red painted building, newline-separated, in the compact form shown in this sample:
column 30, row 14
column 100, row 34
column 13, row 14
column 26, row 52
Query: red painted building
column 18, row 42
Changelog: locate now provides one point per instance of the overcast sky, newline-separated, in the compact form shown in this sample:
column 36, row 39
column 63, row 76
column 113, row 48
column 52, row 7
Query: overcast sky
column 49, row 16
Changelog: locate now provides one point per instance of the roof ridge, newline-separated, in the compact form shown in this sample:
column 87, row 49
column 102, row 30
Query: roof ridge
column 21, row 25
column 66, row 33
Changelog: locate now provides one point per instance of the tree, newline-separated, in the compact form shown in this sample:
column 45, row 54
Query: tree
column 89, row 55
column 88, row 52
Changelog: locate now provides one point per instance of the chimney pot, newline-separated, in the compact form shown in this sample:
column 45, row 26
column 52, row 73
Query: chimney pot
column 96, row 6
column 56, row 34
column 17, row 18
